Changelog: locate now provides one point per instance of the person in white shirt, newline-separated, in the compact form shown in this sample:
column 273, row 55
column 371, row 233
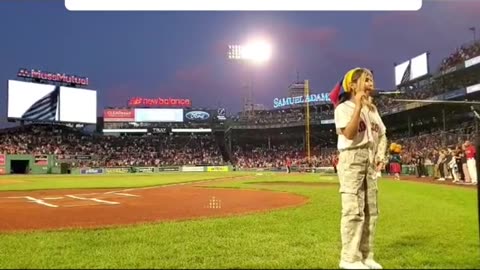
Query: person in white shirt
column 362, row 144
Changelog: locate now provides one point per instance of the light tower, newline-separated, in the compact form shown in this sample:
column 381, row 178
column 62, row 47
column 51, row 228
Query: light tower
column 257, row 52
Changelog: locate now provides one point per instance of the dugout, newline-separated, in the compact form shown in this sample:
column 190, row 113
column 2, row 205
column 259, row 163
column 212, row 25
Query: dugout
column 20, row 166
column 27, row 164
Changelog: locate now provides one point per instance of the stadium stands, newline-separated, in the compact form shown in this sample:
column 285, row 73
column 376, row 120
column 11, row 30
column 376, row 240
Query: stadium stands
column 207, row 149
column 100, row 150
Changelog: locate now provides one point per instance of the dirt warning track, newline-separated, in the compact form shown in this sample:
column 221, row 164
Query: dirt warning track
column 62, row 209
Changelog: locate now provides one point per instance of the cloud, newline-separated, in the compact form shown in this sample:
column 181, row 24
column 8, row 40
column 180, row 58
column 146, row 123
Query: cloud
column 117, row 95
column 199, row 74
column 322, row 36
column 198, row 82
column 465, row 9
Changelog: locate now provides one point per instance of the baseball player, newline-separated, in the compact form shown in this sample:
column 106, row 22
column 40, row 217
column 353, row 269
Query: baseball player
column 362, row 144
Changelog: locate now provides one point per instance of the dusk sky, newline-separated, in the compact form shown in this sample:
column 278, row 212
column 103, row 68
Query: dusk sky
column 184, row 54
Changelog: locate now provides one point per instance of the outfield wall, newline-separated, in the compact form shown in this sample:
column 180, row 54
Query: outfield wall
column 151, row 169
column 48, row 164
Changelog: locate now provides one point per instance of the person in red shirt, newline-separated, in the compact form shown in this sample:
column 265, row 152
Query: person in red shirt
column 470, row 153
column 288, row 163
column 335, row 162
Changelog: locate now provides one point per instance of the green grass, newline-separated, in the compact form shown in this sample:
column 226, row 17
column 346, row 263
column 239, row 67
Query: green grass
column 424, row 226
column 41, row 182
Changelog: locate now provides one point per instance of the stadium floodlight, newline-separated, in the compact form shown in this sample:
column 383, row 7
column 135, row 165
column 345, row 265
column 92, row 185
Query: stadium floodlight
column 258, row 52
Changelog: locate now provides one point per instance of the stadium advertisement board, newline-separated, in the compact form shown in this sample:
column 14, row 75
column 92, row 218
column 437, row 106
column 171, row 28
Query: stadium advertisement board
column 290, row 101
column 92, row 171
column 168, row 169
column 159, row 102
column 2, row 170
column 159, row 130
column 198, row 116
column 41, row 160
column 2, row 159
column 205, row 116
column 473, row 88
column 192, row 169
column 145, row 169
column 117, row 170
column 327, row 121
column 221, row 115
column 118, row 115
column 472, row 61
column 217, row 169
column 52, row 77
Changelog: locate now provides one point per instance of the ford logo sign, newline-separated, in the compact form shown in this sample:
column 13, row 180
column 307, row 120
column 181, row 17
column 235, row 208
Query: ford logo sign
column 197, row 115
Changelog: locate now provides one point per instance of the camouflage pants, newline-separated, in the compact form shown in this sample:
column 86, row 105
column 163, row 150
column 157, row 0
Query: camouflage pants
column 358, row 189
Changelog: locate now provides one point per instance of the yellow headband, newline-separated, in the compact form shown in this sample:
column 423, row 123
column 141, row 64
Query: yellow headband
column 348, row 79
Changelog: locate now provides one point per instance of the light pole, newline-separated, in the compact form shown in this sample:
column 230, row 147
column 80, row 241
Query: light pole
column 257, row 52
column 474, row 31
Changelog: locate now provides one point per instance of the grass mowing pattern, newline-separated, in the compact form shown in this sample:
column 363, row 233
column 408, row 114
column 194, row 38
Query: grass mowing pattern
column 42, row 182
column 424, row 226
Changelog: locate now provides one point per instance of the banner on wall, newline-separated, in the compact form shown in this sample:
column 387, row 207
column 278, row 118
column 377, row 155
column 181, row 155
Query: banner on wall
column 41, row 160
column 2, row 170
column 145, row 169
column 91, row 171
column 217, row 169
column 168, row 169
column 117, row 170
column 192, row 169
column 3, row 157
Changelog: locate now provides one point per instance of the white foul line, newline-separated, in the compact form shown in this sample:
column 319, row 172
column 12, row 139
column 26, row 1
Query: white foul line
column 125, row 194
column 40, row 202
column 91, row 199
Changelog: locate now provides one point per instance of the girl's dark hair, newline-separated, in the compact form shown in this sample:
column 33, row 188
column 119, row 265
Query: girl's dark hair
column 344, row 97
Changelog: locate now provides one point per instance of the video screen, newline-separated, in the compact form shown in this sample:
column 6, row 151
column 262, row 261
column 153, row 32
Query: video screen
column 158, row 115
column 33, row 101
column 412, row 69
column 44, row 102
column 78, row 105
column 419, row 66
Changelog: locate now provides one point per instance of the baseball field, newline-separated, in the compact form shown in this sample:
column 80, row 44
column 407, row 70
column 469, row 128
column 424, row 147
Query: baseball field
column 224, row 220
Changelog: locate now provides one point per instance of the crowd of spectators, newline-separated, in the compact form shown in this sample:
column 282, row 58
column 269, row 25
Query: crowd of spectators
column 98, row 150
column 249, row 156
column 81, row 149
column 444, row 150
column 461, row 54
column 284, row 116
column 428, row 143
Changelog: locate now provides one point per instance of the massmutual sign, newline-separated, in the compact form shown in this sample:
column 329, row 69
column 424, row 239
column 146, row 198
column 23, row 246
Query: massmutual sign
column 290, row 101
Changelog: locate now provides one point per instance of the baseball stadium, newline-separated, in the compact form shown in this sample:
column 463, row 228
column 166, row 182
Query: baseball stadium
column 160, row 182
